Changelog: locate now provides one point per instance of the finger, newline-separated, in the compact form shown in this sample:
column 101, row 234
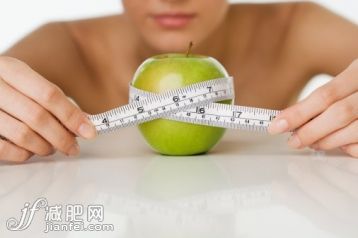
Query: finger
column 295, row 116
column 344, row 136
column 13, row 153
column 337, row 116
column 37, row 118
column 23, row 136
column 351, row 149
column 48, row 95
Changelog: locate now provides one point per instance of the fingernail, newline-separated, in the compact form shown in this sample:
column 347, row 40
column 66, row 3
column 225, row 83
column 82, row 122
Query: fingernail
column 86, row 130
column 278, row 127
column 74, row 150
column 294, row 142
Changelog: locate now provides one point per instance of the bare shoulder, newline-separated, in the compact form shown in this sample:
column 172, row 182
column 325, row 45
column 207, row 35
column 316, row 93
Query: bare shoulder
column 106, row 46
column 95, row 29
column 61, row 51
column 98, row 37
column 322, row 38
column 51, row 51
column 266, row 8
column 305, row 33
column 263, row 26
column 279, row 14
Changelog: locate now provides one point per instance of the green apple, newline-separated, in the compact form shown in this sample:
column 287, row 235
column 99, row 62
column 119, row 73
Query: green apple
column 170, row 71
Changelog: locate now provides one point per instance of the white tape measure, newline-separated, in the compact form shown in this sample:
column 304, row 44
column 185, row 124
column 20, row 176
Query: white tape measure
column 193, row 104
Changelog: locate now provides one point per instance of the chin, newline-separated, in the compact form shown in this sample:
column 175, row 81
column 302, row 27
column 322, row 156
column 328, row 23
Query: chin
column 176, row 43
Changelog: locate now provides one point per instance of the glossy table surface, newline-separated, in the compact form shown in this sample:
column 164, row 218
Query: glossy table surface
column 249, row 185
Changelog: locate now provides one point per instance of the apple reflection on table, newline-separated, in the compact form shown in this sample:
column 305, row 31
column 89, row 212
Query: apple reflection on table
column 187, row 196
column 202, row 196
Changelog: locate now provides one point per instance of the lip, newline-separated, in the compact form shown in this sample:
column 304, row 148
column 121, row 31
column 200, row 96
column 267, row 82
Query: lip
column 173, row 20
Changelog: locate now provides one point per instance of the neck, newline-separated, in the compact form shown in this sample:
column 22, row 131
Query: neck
column 215, row 45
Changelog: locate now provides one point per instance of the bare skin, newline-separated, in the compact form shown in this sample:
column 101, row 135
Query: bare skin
column 271, row 50
column 262, row 51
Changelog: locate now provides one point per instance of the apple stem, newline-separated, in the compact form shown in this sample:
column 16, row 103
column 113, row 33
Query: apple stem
column 189, row 48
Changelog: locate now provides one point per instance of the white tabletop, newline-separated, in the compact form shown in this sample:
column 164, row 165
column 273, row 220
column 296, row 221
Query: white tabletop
column 249, row 185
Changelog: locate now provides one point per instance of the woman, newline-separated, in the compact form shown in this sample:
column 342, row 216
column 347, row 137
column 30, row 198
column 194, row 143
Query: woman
column 271, row 50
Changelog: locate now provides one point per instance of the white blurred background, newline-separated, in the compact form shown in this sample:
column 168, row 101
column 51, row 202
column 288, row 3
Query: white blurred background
column 19, row 17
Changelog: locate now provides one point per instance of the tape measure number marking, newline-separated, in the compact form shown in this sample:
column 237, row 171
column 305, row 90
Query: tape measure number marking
column 193, row 104
column 163, row 104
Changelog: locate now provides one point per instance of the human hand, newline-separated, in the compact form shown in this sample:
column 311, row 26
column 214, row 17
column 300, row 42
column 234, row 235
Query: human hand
column 36, row 117
column 327, row 119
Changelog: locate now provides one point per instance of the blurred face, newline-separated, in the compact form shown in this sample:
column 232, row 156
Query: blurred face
column 169, row 25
